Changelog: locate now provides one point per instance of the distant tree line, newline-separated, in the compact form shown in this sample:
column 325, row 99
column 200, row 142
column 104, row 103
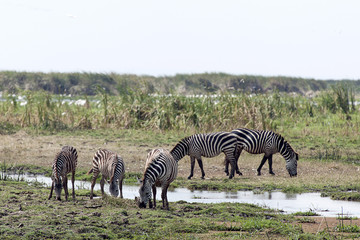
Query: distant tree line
column 119, row 84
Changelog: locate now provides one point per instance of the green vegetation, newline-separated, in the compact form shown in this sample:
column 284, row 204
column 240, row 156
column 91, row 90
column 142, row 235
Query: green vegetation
column 26, row 213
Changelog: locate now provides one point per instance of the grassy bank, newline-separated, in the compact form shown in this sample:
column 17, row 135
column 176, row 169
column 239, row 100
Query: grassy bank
column 25, row 213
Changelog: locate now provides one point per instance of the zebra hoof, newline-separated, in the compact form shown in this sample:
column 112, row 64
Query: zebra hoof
column 240, row 174
column 272, row 173
column 189, row 177
column 259, row 174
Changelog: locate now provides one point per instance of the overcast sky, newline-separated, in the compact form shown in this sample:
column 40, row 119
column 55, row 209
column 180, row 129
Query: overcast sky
column 300, row 38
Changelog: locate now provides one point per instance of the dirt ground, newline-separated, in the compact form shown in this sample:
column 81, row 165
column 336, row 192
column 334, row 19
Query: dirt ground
column 326, row 224
column 22, row 148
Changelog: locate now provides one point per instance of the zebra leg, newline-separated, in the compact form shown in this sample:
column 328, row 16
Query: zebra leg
column 154, row 195
column 95, row 175
column 270, row 165
column 237, row 156
column 164, row 197
column 233, row 166
column 120, row 187
column 227, row 162
column 51, row 191
column 73, row 185
column 199, row 160
column 65, row 185
column 192, row 160
column 262, row 164
column 102, row 182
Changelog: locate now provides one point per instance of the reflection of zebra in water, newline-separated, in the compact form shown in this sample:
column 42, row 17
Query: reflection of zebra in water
column 268, row 142
column 65, row 162
column 206, row 145
column 111, row 166
column 160, row 170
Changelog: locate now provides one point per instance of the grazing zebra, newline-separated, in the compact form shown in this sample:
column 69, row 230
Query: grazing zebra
column 160, row 170
column 65, row 162
column 207, row 145
column 111, row 166
column 268, row 142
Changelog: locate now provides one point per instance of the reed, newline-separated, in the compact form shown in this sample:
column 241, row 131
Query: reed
column 141, row 110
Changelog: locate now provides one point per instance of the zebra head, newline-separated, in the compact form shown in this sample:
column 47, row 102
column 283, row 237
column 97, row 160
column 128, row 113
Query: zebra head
column 114, row 180
column 145, row 194
column 58, row 187
column 291, row 158
column 114, row 187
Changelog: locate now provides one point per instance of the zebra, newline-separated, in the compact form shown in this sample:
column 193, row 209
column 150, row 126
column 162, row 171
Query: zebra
column 65, row 162
column 111, row 166
column 206, row 145
column 160, row 170
column 267, row 142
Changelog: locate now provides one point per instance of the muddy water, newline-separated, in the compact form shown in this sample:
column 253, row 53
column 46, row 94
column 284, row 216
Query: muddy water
column 289, row 203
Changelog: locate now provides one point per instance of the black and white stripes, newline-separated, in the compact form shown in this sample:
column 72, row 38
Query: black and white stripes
column 65, row 162
column 206, row 145
column 267, row 142
column 111, row 166
column 160, row 170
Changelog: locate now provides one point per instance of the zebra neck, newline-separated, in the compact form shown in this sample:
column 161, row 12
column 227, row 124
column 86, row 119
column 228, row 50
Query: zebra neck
column 284, row 149
column 149, row 179
column 180, row 150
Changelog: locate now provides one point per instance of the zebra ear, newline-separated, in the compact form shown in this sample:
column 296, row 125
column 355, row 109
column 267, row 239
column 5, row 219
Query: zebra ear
column 297, row 156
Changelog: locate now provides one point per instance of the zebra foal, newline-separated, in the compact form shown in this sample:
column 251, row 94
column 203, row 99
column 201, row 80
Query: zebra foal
column 160, row 170
column 65, row 162
column 267, row 142
column 111, row 166
column 207, row 145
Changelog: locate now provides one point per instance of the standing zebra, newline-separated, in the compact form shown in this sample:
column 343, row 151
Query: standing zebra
column 207, row 145
column 65, row 162
column 268, row 142
column 160, row 170
column 111, row 166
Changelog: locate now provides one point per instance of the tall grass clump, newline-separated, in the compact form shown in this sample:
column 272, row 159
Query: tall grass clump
column 138, row 109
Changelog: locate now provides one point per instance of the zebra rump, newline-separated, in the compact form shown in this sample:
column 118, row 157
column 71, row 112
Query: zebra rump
column 112, row 167
column 160, row 170
column 65, row 162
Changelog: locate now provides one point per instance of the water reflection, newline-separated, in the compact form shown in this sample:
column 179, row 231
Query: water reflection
column 287, row 202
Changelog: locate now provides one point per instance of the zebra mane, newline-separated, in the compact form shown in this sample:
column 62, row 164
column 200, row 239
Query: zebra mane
column 182, row 142
column 114, row 164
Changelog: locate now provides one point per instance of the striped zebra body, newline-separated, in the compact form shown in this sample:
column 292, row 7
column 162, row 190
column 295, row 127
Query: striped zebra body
column 267, row 142
column 112, row 167
column 160, row 170
column 65, row 162
column 207, row 145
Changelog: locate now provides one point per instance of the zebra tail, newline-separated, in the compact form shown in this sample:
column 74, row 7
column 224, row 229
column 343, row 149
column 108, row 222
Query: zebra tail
column 91, row 170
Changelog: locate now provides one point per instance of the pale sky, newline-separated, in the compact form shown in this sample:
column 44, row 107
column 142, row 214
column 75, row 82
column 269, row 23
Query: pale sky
column 298, row 38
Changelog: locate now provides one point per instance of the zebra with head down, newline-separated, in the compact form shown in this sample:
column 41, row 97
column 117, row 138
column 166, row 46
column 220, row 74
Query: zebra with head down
column 111, row 166
column 267, row 142
column 65, row 162
column 160, row 170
